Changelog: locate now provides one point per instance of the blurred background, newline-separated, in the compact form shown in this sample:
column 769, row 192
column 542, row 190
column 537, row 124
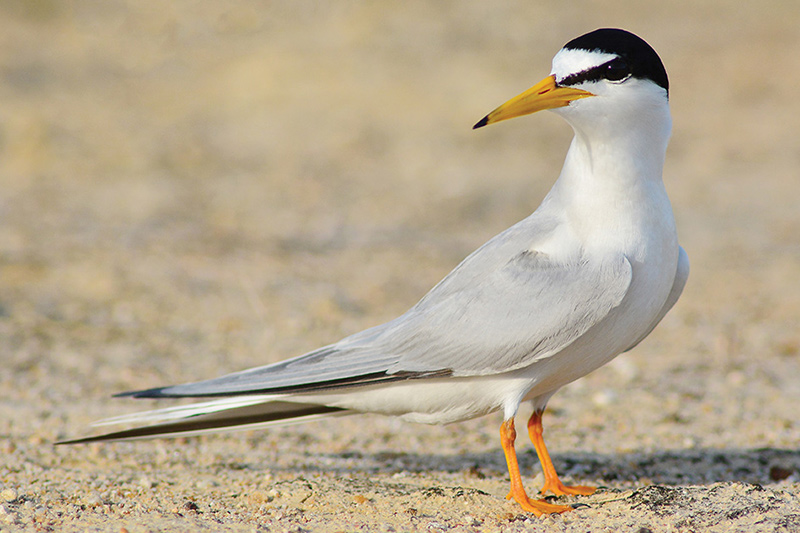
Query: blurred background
column 192, row 187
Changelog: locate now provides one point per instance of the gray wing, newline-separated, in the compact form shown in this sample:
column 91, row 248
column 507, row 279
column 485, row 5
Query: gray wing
column 502, row 308
column 529, row 309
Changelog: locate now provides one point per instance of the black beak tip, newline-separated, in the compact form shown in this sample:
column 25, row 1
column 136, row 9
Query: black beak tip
column 481, row 123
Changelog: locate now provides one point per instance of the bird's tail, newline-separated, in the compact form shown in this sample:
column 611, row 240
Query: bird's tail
column 228, row 414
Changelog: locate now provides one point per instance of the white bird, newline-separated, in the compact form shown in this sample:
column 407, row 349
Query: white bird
column 584, row 278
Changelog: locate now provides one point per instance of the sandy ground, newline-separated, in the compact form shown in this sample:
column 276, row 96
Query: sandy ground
column 192, row 187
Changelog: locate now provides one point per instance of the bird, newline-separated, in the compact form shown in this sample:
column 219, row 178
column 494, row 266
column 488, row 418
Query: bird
column 587, row 276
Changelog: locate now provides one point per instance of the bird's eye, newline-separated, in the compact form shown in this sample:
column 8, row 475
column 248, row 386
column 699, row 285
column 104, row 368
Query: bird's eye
column 617, row 70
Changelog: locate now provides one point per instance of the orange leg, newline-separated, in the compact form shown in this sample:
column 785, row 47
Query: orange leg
column 538, row 507
column 551, row 481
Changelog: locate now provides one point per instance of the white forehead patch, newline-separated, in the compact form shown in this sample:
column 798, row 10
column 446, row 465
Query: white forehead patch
column 568, row 61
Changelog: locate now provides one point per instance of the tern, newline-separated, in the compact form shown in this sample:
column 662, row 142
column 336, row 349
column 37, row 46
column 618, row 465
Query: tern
column 584, row 278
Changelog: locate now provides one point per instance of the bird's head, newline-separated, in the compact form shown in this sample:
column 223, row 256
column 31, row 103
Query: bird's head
column 608, row 76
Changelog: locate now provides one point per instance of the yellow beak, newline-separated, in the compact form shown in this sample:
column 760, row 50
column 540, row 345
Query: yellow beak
column 544, row 95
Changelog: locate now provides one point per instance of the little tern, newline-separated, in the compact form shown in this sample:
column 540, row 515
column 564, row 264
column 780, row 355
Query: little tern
column 584, row 278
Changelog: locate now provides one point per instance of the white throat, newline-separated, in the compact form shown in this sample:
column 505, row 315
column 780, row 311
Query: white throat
column 610, row 189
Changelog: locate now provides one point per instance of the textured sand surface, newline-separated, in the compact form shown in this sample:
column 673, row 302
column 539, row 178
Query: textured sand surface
column 190, row 188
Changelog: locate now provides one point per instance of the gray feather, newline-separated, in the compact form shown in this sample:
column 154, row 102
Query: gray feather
column 501, row 309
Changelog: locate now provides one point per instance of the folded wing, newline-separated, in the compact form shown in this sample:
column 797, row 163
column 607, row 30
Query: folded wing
column 483, row 318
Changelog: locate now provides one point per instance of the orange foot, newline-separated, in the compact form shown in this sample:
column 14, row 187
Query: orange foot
column 538, row 507
column 559, row 489
column 551, row 481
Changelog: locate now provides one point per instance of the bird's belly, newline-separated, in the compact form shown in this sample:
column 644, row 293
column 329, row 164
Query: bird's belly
column 430, row 401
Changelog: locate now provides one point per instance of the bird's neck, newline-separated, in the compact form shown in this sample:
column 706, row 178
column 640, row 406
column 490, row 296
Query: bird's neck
column 611, row 185
column 619, row 153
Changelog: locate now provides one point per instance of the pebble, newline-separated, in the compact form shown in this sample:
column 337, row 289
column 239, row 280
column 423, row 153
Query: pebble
column 39, row 513
column 604, row 398
column 6, row 515
column 625, row 368
column 8, row 495
column 779, row 473
column 93, row 500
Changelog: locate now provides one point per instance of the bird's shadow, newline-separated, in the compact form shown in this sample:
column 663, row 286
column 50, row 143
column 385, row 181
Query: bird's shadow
column 683, row 467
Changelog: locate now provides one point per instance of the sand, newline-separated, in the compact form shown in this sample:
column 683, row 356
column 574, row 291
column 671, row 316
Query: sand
column 192, row 188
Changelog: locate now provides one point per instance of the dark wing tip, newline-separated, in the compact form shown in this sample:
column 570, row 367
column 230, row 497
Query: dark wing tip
column 84, row 440
column 206, row 422
column 481, row 123
column 158, row 392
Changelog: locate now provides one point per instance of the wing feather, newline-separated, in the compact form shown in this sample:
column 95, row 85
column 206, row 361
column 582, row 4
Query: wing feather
column 530, row 309
column 502, row 308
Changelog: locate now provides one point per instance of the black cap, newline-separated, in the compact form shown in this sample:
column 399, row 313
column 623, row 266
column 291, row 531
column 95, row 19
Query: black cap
column 642, row 61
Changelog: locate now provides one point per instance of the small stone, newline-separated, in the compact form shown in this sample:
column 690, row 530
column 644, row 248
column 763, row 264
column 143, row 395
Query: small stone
column 190, row 506
column 736, row 378
column 475, row 472
column 471, row 520
column 39, row 514
column 604, row 398
column 93, row 500
column 8, row 495
column 6, row 515
column 259, row 496
column 624, row 368
column 779, row 473
column 204, row 484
